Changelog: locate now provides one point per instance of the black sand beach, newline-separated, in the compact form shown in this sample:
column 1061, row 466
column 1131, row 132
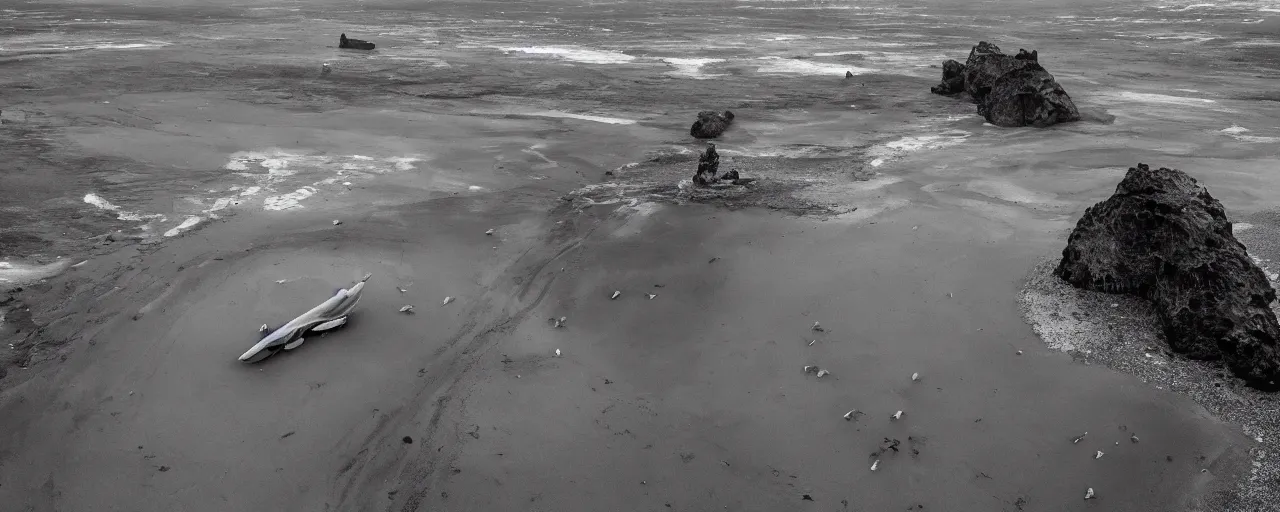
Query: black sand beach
column 173, row 172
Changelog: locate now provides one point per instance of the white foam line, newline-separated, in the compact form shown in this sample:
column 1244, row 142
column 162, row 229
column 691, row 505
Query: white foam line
column 778, row 65
column 598, row 119
column 1164, row 98
column 575, row 54
column 98, row 201
column 690, row 68
column 187, row 223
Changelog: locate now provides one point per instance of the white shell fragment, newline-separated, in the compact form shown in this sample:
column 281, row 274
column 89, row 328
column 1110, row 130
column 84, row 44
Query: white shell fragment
column 402, row 290
column 1078, row 438
column 489, row 232
column 896, row 416
column 336, row 222
column 264, row 328
column 406, row 308
column 557, row 352
column 652, row 295
column 1098, row 455
column 447, row 300
column 848, row 416
column 812, row 342
column 1088, row 495
column 875, row 464
column 1133, row 438
column 615, row 295
column 281, row 281
column 823, row 372
column 1019, row 352
column 915, row 376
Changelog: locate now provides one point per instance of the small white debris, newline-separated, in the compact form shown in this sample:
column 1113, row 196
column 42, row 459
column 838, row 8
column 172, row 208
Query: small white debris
column 818, row 327
column 489, row 232
column 810, row 368
column 336, row 222
column 130, row 393
column 1078, row 438
column 823, row 372
column 264, row 328
column 1133, row 438
column 1097, row 455
column 651, row 295
column 447, row 300
column 812, row 342
column 1088, row 495
column 915, row 376
column 615, row 295
column 406, row 308
column 913, row 228
column 848, row 416
column 896, row 416
column 281, row 281
column 875, row 464
column 1114, row 305
column 402, row 290
column 557, row 352
column 1019, row 352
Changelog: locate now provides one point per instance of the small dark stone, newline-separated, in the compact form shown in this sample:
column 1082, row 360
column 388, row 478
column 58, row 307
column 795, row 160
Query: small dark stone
column 1168, row 458
column 848, row 74
column 407, row 440
column 708, row 166
column 952, row 79
column 711, row 124
column 354, row 44
column 1162, row 237
column 287, row 434
column 730, row 176
column 807, row 497
column 164, row 469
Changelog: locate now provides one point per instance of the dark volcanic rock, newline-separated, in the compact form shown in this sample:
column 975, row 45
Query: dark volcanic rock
column 711, row 124
column 1010, row 90
column 354, row 44
column 1027, row 97
column 1161, row 236
column 952, row 79
column 708, row 165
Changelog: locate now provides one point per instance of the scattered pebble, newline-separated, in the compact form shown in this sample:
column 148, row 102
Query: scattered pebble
column 807, row 498
column 406, row 309
column 1088, row 495
column 559, row 322
column 164, row 468
column 1019, row 352
column 896, row 416
column 407, row 440
column 615, row 295
column 447, row 300
column 810, row 368
column 875, row 465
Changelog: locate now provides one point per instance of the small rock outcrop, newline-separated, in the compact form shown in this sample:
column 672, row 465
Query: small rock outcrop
column 1010, row 90
column 354, row 44
column 952, row 79
column 708, row 166
column 711, row 124
column 1162, row 237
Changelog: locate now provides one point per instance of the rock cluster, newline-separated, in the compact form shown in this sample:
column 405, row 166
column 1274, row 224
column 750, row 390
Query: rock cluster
column 1162, row 237
column 1010, row 90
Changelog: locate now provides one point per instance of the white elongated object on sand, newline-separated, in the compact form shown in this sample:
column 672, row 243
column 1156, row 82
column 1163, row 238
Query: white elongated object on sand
column 823, row 372
column 915, row 376
column 447, row 300
column 848, row 416
column 615, row 295
column 875, row 465
column 896, row 416
column 329, row 314
column 407, row 308
column 1088, row 495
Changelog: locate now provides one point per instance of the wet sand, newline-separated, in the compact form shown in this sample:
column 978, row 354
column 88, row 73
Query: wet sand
column 897, row 219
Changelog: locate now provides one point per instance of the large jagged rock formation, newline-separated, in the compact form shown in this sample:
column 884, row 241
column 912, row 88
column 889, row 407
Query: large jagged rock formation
column 1161, row 236
column 711, row 124
column 354, row 44
column 1010, row 90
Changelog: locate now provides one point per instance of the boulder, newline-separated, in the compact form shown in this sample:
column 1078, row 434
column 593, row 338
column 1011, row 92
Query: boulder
column 711, row 124
column 952, row 79
column 708, row 166
column 1162, row 237
column 1010, row 90
column 354, row 44
column 1027, row 97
